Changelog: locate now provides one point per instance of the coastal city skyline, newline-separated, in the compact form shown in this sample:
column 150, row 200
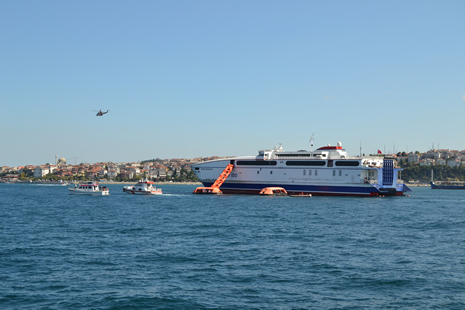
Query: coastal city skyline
column 181, row 169
column 188, row 80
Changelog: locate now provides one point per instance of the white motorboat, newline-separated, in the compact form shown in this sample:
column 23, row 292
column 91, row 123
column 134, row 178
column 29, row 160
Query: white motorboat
column 144, row 187
column 89, row 188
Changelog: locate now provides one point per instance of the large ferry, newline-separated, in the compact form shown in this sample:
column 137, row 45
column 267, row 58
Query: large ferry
column 326, row 171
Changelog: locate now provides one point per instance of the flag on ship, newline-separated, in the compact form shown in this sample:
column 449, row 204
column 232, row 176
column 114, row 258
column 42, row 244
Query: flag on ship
column 379, row 152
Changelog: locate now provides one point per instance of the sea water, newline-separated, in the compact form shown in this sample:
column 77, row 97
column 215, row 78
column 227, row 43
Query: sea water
column 185, row 251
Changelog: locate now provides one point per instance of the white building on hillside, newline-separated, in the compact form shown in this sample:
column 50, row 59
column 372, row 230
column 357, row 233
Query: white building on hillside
column 453, row 162
column 413, row 158
column 40, row 171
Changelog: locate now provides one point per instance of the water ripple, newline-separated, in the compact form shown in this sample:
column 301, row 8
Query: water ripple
column 180, row 251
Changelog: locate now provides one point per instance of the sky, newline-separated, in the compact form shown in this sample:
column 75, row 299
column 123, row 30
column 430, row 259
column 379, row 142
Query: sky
column 187, row 79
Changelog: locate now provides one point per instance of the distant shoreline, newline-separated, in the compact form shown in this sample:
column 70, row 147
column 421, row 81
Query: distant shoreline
column 157, row 183
column 172, row 183
column 106, row 182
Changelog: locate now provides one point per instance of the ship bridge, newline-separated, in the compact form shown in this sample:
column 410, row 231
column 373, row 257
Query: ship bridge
column 326, row 152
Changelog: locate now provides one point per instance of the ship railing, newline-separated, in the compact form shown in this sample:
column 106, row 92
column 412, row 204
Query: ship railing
column 274, row 157
column 450, row 182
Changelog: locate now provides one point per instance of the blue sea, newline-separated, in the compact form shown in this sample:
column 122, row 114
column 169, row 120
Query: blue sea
column 185, row 251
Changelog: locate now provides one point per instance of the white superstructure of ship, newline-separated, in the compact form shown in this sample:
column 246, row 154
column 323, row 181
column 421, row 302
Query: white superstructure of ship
column 327, row 171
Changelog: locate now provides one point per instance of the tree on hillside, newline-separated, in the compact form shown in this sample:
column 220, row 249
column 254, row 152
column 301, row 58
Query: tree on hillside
column 440, row 173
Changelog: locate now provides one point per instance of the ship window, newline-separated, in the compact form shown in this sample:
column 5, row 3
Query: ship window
column 256, row 163
column 305, row 163
column 334, row 173
column 330, row 163
column 305, row 171
column 309, row 172
column 340, row 172
column 316, row 172
column 271, row 172
column 348, row 163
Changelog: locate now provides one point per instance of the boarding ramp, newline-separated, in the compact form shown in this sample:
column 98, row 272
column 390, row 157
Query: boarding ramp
column 215, row 188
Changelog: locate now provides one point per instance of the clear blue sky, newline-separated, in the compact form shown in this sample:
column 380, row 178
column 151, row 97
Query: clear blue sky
column 202, row 78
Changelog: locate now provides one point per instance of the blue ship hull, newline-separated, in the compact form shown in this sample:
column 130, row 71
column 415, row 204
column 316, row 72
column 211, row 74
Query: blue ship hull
column 436, row 186
column 365, row 191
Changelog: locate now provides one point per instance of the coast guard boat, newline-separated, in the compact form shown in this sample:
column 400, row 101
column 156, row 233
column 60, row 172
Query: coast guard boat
column 144, row 187
column 326, row 171
column 89, row 188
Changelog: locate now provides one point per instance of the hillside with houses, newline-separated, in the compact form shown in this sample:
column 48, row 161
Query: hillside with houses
column 443, row 164
column 159, row 170
column 445, row 157
column 446, row 164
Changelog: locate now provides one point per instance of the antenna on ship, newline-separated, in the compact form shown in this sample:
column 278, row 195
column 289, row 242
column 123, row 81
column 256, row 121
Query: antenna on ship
column 311, row 142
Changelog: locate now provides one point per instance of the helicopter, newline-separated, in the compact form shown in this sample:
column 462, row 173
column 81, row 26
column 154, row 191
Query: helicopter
column 100, row 113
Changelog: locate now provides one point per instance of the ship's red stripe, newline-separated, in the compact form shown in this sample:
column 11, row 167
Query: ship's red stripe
column 330, row 148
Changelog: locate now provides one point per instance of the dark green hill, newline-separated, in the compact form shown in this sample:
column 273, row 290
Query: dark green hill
column 440, row 173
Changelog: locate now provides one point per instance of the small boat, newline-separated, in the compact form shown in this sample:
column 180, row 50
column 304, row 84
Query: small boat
column 208, row 190
column 89, row 188
column 144, row 187
column 273, row 191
